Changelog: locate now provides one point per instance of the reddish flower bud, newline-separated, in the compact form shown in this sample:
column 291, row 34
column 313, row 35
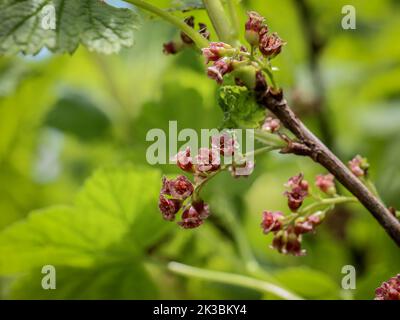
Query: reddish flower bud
column 326, row 184
column 224, row 143
column 271, row 125
column 171, row 48
column 169, row 207
column 219, row 70
column 184, row 160
column 305, row 225
column 272, row 221
column 185, row 38
column 270, row 44
column 253, row 27
column 297, row 182
column 298, row 192
column 288, row 242
column 389, row 290
column 204, row 31
column 359, row 166
column 207, row 160
column 216, row 51
column 295, row 200
column 180, row 188
column 195, row 215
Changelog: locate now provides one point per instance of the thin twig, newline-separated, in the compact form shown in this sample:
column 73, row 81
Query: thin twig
column 316, row 150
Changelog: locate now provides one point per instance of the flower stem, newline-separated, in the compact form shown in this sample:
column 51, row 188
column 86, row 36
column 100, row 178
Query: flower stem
column 232, row 279
column 326, row 202
column 269, row 139
column 220, row 21
column 234, row 18
column 198, row 39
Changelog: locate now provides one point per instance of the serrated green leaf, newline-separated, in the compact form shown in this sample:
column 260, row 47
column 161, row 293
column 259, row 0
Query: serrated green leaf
column 240, row 108
column 98, row 26
column 105, row 219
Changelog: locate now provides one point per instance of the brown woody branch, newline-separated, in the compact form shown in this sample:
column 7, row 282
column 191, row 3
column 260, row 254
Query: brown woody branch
column 309, row 145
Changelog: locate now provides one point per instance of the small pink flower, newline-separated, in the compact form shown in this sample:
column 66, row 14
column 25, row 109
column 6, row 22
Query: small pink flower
column 224, row 143
column 215, row 51
column 359, row 166
column 389, row 290
column 207, row 160
column 271, row 125
column 272, row 221
column 326, row 183
column 305, row 225
column 219, row 69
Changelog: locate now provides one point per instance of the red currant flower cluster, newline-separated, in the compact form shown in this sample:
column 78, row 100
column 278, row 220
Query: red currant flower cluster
column 182, row 195
column 247, row 66
column 389, row 290
column 289, row 229
column 184, row 40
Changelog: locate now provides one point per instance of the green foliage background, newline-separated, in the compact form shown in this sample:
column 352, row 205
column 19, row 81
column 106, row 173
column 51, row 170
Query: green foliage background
column 76, row 191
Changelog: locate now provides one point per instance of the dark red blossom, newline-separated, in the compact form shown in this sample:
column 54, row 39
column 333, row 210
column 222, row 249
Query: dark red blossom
column 272, row 221
column 195, row 215
column 184, row 160
column 180, row 188
column 288, row 242
column 169, row 207
column 270, row 44
column 219, row 69
column 297, row 193
column 171, row 48
column 204, row 31
column 389, row 290
column 185, row 38
column 308, row 224
column 253, row 26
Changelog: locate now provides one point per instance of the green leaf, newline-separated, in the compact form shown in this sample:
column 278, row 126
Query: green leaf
column 128, row 280
column 98, row 26
column 240, row 108
column 186, row 5
column 77, row 115
column 308, row 283
column 96, row 245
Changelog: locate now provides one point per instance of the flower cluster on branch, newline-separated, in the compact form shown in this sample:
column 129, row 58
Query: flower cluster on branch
column 182, row 195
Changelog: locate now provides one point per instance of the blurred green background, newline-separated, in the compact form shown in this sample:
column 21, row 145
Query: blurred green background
column 64, row 119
